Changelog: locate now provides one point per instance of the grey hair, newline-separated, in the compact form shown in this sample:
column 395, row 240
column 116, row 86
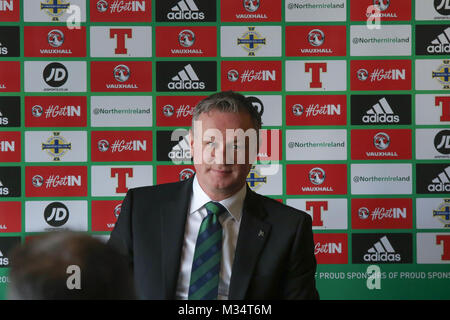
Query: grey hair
column 227, row 101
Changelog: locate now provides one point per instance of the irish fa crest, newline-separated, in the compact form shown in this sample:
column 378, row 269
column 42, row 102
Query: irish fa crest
column 254, row 179
column 251, row 41
column 443, row 213
column 55, row 8
column 442, row 74
column 56, row 146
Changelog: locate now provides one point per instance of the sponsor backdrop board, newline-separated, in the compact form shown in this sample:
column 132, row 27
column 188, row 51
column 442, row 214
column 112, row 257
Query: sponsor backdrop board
column 354, row 94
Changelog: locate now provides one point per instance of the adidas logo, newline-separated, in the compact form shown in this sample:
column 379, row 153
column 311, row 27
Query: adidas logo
column 185, row 10
column 3, row 261
column 381, row 112
column 4, row 191
column 181, row 151
column 441, row 182
column 382, row 251
column 186, row 79
column 441, row 44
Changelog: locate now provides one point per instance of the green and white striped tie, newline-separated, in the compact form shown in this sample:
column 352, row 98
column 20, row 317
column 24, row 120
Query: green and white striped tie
column 204, row 283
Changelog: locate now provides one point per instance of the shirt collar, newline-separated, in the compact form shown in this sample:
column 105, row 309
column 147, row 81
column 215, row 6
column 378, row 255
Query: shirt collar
column 233, row 204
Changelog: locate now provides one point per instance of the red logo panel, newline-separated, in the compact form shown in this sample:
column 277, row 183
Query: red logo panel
column 251, row 75
column 56, row 181
column 175, row 111
column 9, row 10
column 10, row 216
column 331, row 248
column 121, row 76
column 121, row 146
column 121, row 11
column 316, row 179
column 315, row 41
column 54, row 42
column 250, row 11
column 390, row 213
column 105, row 214
column 380, row 75
column 174, row 173
column 186, row 41
column 315, row 110
column 55, row 111
column 9, row 76
column 381, row 144
column 399, row 10
column 10, row 146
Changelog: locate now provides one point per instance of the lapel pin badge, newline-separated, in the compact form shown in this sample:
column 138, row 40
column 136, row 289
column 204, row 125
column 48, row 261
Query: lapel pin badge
column 261, row 233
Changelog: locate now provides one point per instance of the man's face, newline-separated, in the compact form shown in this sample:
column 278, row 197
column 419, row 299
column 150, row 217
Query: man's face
column 222, row 159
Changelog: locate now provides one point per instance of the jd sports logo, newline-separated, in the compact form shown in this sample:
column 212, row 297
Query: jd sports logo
column 432, row 40
column 55, row 74
column 380, row 109
column 186, row 76
column 382, row 248
column 442, row 6
column 442, row 141
column 56, row 214
column 433, row 178
column 185, row 10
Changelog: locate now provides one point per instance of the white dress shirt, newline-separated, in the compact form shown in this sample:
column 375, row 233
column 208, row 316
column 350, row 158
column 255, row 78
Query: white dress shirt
column 230, row 222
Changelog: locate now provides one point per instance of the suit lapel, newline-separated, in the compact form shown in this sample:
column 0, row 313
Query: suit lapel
column 253, row 233
column 173, row 216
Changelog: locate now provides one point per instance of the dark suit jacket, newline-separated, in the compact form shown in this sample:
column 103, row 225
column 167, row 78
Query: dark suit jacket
column 274, row 256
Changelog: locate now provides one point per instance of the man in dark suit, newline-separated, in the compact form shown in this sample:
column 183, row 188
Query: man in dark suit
column 210, row 236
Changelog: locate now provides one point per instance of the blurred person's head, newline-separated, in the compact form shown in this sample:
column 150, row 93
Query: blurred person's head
column 68, row 265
